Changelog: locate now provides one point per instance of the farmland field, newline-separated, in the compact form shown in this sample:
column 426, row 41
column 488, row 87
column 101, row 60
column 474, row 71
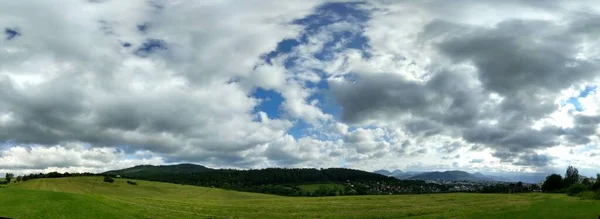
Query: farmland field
column 90, row 197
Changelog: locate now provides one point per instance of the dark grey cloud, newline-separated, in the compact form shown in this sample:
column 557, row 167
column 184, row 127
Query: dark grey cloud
column 111, row 86
column 477, row 161
column 442, row 99
column 524, row 63
column 536, row 160
column 419, row 152
column 514, row 140
column 449, row 148
column 451, row 157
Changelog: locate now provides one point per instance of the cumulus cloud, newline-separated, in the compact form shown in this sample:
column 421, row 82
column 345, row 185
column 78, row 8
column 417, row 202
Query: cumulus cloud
column 71, row 157
column 381, row 84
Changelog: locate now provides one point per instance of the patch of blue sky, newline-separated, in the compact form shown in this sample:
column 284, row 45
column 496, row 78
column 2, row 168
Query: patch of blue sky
column 342, row 41
column 8, row 144
column 151, row 46
column 285, row 46
column 11, row 33
column 270, row 102
column 300, row 128
column 325, row 101
column 575, row 100
column 143, row 28
column 588, row 148
column 325, row 15
column 331, row 13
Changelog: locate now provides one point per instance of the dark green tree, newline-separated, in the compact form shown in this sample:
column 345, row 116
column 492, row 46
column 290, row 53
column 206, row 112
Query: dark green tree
column 586, row 182
column 19, row 179
column 576, row 188
column 108, row 179
column 571, row 176
column 8, row 177
column 553, row 183
column 596, row 185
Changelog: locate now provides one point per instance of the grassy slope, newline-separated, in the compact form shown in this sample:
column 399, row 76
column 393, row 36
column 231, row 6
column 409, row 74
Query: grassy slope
column 89, row 197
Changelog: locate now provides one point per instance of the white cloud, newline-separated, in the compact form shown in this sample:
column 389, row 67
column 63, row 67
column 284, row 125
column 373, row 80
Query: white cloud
column 71, row 157
column 414, row 95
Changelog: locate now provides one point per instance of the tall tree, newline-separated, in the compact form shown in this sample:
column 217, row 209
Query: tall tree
column 553, row 183
column 571, row 176
column 8, row 177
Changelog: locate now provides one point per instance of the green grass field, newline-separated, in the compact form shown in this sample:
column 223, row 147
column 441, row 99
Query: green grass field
column 90, row 197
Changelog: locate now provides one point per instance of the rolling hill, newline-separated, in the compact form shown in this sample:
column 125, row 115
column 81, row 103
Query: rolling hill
column 398, row 174
column 148, row 171
column 279, row 181
column 383, row 172
column 182, row 173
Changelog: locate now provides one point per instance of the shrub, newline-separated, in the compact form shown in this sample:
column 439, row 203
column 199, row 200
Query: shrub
column 131, row 182
column 589, row 195
column 108, row 179
column 576, row 189
column 596, row 186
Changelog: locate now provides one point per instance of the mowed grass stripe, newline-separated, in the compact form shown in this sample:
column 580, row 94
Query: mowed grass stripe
column 96, row 185
column 17, row 203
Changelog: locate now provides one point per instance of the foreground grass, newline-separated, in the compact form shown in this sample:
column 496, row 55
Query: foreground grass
column 89, row 197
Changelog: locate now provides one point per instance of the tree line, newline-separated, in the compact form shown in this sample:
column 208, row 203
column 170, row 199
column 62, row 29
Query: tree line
column 279, row 181
column 8, row 178
column 573, row 184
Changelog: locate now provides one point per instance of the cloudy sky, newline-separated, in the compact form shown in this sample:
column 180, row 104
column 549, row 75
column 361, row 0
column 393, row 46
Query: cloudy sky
column 491, row 86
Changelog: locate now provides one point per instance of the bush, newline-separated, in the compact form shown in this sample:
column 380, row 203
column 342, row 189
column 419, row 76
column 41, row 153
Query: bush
column 3, row 182
column 589, row 195
column 576, row 189
column 108, row 179
column 131, row 182
column 596, row 186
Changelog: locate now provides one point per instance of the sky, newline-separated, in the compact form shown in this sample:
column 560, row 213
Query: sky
column 482, row 86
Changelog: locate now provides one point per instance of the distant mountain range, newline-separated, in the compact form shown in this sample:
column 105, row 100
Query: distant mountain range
column 454, row 175
column 152, row 172
column 399, row 174
column 462, row 175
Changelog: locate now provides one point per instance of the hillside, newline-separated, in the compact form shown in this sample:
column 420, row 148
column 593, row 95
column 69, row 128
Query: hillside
column 280, row 181
column 383, row 172
column 150, row 171
column 90, row 197
column 96, row 186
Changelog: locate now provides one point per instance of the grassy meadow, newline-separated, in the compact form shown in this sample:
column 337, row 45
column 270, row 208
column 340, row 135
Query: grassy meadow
column 90, row 197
